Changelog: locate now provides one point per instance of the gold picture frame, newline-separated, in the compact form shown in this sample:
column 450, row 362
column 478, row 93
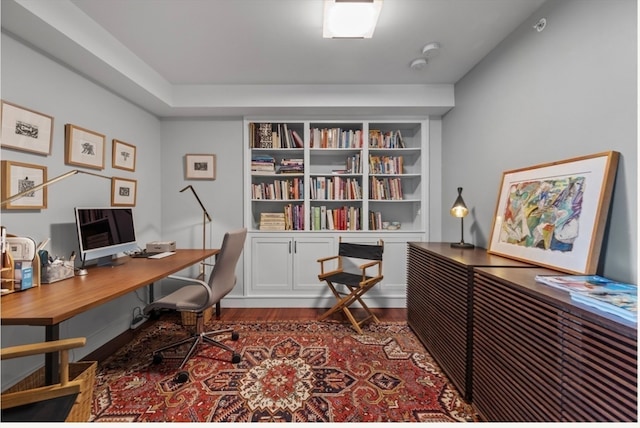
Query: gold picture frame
column 18, row 177
column 554, row 214
column 84, row 147
column 123, row 155
column 25, row 129
column 123, row 192
column 200, row 167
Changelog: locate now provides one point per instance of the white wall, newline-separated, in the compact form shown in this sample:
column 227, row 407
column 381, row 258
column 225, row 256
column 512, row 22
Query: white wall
column 567, row 91
column 34, row 81
column 182, row 217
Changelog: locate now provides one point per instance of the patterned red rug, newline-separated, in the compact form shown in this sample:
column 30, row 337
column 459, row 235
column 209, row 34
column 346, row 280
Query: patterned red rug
column 289, row 372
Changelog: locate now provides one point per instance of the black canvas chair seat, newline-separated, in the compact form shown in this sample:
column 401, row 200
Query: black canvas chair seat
column 349, row 287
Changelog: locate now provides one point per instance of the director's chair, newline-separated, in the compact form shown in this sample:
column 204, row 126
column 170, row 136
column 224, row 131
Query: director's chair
column 355, row 285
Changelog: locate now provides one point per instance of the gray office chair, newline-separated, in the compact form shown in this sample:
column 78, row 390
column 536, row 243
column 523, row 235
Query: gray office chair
column 200, row 295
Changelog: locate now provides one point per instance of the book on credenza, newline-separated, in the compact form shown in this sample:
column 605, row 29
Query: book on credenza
column 596, row 291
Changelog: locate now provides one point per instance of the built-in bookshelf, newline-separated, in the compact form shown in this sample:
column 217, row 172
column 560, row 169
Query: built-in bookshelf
column 337, row 175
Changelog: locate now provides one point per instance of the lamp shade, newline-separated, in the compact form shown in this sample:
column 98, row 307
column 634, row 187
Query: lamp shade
column 459, row 208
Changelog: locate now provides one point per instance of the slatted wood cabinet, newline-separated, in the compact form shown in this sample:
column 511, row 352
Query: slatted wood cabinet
column 439, row 303
column 538, row 356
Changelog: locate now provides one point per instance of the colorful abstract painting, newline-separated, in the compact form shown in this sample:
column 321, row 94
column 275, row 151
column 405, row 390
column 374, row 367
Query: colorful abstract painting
column 544, row 214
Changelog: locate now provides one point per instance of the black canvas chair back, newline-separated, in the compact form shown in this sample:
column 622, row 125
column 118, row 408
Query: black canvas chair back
column 361, row 251
column 349, row 287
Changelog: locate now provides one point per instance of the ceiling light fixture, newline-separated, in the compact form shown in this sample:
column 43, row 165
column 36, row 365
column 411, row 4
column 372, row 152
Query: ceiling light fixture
column 430, row 49
column 350, row 19
column 418, row 64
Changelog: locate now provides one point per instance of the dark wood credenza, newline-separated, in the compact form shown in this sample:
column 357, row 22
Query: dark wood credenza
column 539, row 356
column 439, row 303
column 519, row 350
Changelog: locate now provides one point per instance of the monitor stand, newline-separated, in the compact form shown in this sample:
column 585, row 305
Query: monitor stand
column 109, row 261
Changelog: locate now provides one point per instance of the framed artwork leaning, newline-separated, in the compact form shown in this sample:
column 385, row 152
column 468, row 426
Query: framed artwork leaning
column 26, row 130
column 18, row 177
column 123, row 192
column 554, row 214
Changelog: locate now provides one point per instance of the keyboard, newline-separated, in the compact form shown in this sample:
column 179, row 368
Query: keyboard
column 162, row 255
column 142, row 255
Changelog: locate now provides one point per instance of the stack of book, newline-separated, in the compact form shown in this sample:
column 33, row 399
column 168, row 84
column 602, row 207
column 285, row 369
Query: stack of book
column 291, row 166
column 596, row 291
column 263, row 164
column 272, row 221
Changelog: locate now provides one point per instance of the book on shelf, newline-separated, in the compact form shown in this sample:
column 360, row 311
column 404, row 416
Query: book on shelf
column 272, row 221
column 599, row 292
column 297, row 139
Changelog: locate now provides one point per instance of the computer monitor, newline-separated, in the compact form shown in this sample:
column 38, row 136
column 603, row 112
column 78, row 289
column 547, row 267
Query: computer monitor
column 104, row 232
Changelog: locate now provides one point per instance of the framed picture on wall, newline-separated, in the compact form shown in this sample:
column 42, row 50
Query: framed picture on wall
column 554, row 214
column 84, row 147
column 202, row 167
column 123, row 192
column 123, row 155
column 18, row 177
column 25, row 129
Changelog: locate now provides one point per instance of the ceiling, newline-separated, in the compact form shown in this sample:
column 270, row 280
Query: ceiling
column 217, row 57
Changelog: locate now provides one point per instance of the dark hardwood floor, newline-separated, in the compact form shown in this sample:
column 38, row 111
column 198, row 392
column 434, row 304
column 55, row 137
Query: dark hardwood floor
column 251, row 314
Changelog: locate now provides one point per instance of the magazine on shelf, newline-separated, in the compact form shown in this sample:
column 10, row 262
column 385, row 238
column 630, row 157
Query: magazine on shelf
column 583, row 283
column 599, row 292
column 621, row 303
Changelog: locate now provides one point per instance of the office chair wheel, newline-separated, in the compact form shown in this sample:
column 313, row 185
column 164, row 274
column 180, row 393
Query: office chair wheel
column 235, row 359
column 157, row 358
column 234, row 335
column 181, row 377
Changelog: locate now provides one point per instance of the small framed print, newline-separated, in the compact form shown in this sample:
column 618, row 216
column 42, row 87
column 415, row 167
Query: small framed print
column 123, row 155
column 26, row 130
column 200, row 167
column 18, row 177
column 83, row 147
column 123, row 192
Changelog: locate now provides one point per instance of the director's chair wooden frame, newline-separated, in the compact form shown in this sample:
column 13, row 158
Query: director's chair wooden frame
column 40, row 398
column 356, row 284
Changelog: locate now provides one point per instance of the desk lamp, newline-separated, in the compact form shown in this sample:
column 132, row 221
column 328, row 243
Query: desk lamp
column 459, row 210
column 48, row 182
column 205, row 217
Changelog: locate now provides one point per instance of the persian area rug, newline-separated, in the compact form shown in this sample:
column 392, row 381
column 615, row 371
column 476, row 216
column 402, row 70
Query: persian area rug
column 290, row 372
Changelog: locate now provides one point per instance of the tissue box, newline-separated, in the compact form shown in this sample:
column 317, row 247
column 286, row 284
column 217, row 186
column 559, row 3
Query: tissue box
column 23, row 274
column 56, row 272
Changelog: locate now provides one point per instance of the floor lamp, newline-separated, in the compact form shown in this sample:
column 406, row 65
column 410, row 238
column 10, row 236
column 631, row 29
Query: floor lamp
column 205, row 217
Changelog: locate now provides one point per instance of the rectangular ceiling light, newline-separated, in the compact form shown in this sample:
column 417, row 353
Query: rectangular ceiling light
column 351, row 19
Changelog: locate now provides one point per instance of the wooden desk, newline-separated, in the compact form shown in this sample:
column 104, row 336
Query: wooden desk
column 50, row 304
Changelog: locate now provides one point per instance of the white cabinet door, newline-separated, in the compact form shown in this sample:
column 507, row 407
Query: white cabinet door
column 271, row 264
column 307, row 251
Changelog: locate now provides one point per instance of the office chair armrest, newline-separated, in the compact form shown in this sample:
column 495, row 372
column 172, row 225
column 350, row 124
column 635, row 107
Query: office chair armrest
column 194, row 281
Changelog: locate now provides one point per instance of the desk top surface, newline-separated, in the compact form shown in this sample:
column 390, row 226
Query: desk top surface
column 53, row 303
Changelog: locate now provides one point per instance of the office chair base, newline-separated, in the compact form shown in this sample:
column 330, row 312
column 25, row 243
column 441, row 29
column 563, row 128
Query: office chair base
column 196, row 340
